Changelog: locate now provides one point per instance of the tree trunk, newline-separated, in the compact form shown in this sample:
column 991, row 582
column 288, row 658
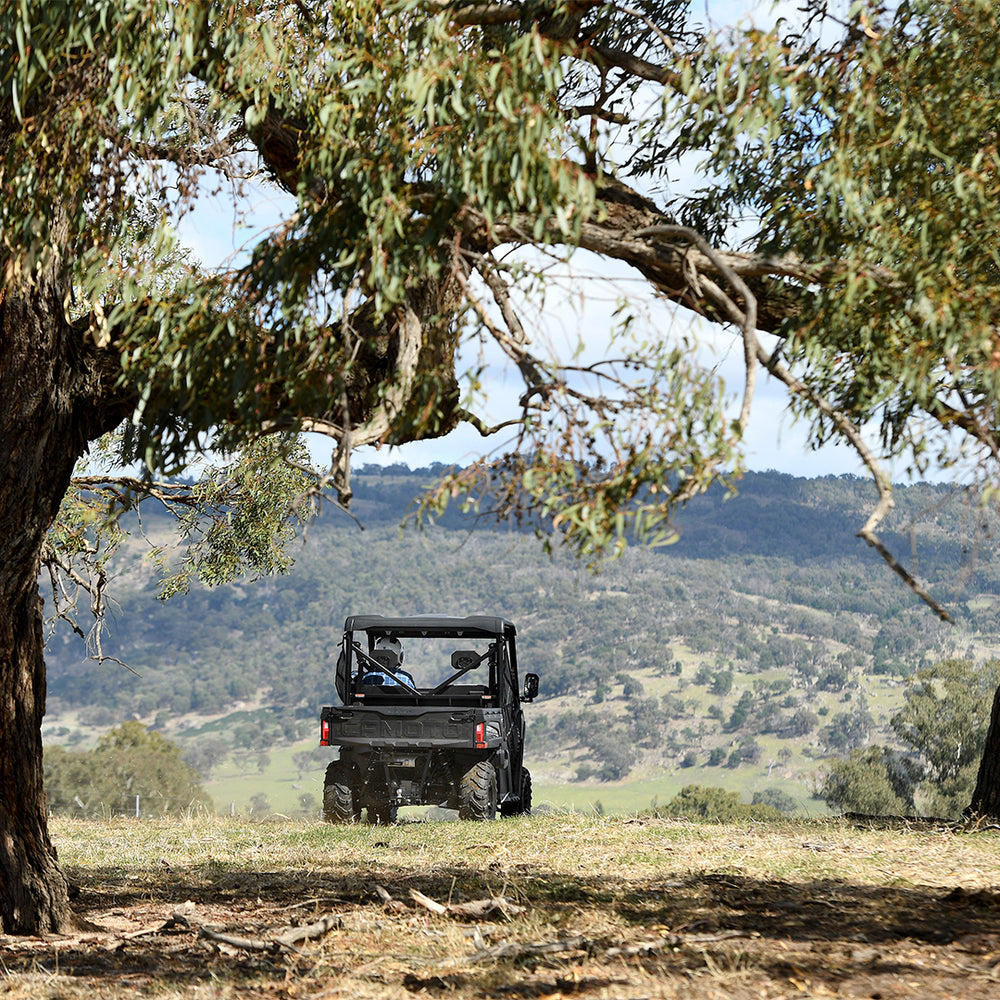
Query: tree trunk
column 50, row 400
column 33, row 891
column 986, row 797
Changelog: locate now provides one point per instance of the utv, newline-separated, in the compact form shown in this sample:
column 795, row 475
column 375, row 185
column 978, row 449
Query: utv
column 430, row 714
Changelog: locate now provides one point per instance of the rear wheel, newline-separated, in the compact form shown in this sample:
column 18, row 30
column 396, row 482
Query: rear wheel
column 477, row 792
column 522, row 807
column 525, row 807
column 339, row 800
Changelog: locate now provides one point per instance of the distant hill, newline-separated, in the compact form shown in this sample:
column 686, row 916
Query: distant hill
column 769, row 584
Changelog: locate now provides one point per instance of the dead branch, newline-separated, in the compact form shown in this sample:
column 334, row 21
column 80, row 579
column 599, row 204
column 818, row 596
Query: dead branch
column 427, row 903
column 479, row 909
column 514, row 950
column 284, row 942
column 309, row 932
column 396, row 905
column 270, row 945
column 476, row 909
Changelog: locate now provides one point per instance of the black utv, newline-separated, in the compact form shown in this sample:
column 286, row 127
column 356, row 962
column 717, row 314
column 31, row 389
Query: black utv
column 430, row 714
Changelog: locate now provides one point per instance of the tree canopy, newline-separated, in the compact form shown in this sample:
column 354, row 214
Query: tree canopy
column 422, row 141
column 129, row 762
column 438, row 155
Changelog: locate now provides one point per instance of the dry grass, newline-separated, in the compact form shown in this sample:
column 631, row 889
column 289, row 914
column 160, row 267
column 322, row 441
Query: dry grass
column 636, row 908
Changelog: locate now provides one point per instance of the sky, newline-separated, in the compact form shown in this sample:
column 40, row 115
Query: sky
column 773, row 440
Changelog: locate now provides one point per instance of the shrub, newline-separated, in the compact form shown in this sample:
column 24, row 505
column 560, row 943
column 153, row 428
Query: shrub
column 775, row 798
column 873, row 781
column 714, row 805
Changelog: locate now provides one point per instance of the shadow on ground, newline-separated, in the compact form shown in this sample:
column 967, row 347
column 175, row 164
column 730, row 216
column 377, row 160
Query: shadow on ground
column 696, row 936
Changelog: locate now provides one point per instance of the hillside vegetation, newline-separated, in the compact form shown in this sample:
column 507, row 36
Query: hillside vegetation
column 765, row 640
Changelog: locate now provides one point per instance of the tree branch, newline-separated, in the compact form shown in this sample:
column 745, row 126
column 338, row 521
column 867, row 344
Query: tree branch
column 745, row 318
column 754, row 352
column 885, row 503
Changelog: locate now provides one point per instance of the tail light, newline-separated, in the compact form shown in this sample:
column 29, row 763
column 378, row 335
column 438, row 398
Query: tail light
column 324, row 733
column 481, row 736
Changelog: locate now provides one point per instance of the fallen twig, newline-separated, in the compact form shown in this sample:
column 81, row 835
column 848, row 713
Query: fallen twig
column 271, row 945
column 132, row 935
column 396, row 905
column 481, row 908
column 427, row 903
column 515, row 950
column 282, row 942
column 307, row 932
column 475, row 909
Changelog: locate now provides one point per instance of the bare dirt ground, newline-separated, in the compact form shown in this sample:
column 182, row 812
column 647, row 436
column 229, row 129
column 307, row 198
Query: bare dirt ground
column 546, row 907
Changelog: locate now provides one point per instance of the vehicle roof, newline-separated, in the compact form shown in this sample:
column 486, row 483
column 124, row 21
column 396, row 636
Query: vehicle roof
column 433, row 625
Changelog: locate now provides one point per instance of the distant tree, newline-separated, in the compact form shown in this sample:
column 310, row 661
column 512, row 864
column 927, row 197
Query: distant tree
column 703, row 675
column 714, row 805
column 206, row 754
column 129, row 760
column 611, row 759
column 306, row 761
column 848, row 730
column 833, row 679
column 671, row 707
column 722, row 683
column 69, row 777
column 633, row 688
column 247, row 735
column 747, row 752
column 873, row 781
column 800, row 723
column 945, row 715
column 741, row 713
column 645, row 721
column 776, row 799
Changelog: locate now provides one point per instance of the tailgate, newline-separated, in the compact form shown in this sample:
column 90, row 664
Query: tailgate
column 393, row 726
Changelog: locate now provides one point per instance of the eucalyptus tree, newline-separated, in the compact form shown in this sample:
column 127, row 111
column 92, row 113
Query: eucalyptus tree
column 848, row 208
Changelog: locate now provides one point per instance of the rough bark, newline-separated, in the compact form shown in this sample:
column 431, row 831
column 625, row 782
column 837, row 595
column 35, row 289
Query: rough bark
column 986, row 797
column 53, row 402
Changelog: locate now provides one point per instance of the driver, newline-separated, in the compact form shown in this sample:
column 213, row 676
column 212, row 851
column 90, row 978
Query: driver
column 382, row 677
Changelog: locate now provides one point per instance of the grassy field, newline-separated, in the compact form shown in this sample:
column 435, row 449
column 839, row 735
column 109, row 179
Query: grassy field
column 557, row 905
column 233, row 787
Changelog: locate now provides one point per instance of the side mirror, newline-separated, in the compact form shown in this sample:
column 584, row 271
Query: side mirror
column 530, row 687
column 465, row 659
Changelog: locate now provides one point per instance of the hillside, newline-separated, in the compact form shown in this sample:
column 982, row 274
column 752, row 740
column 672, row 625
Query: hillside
column 767, row 638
